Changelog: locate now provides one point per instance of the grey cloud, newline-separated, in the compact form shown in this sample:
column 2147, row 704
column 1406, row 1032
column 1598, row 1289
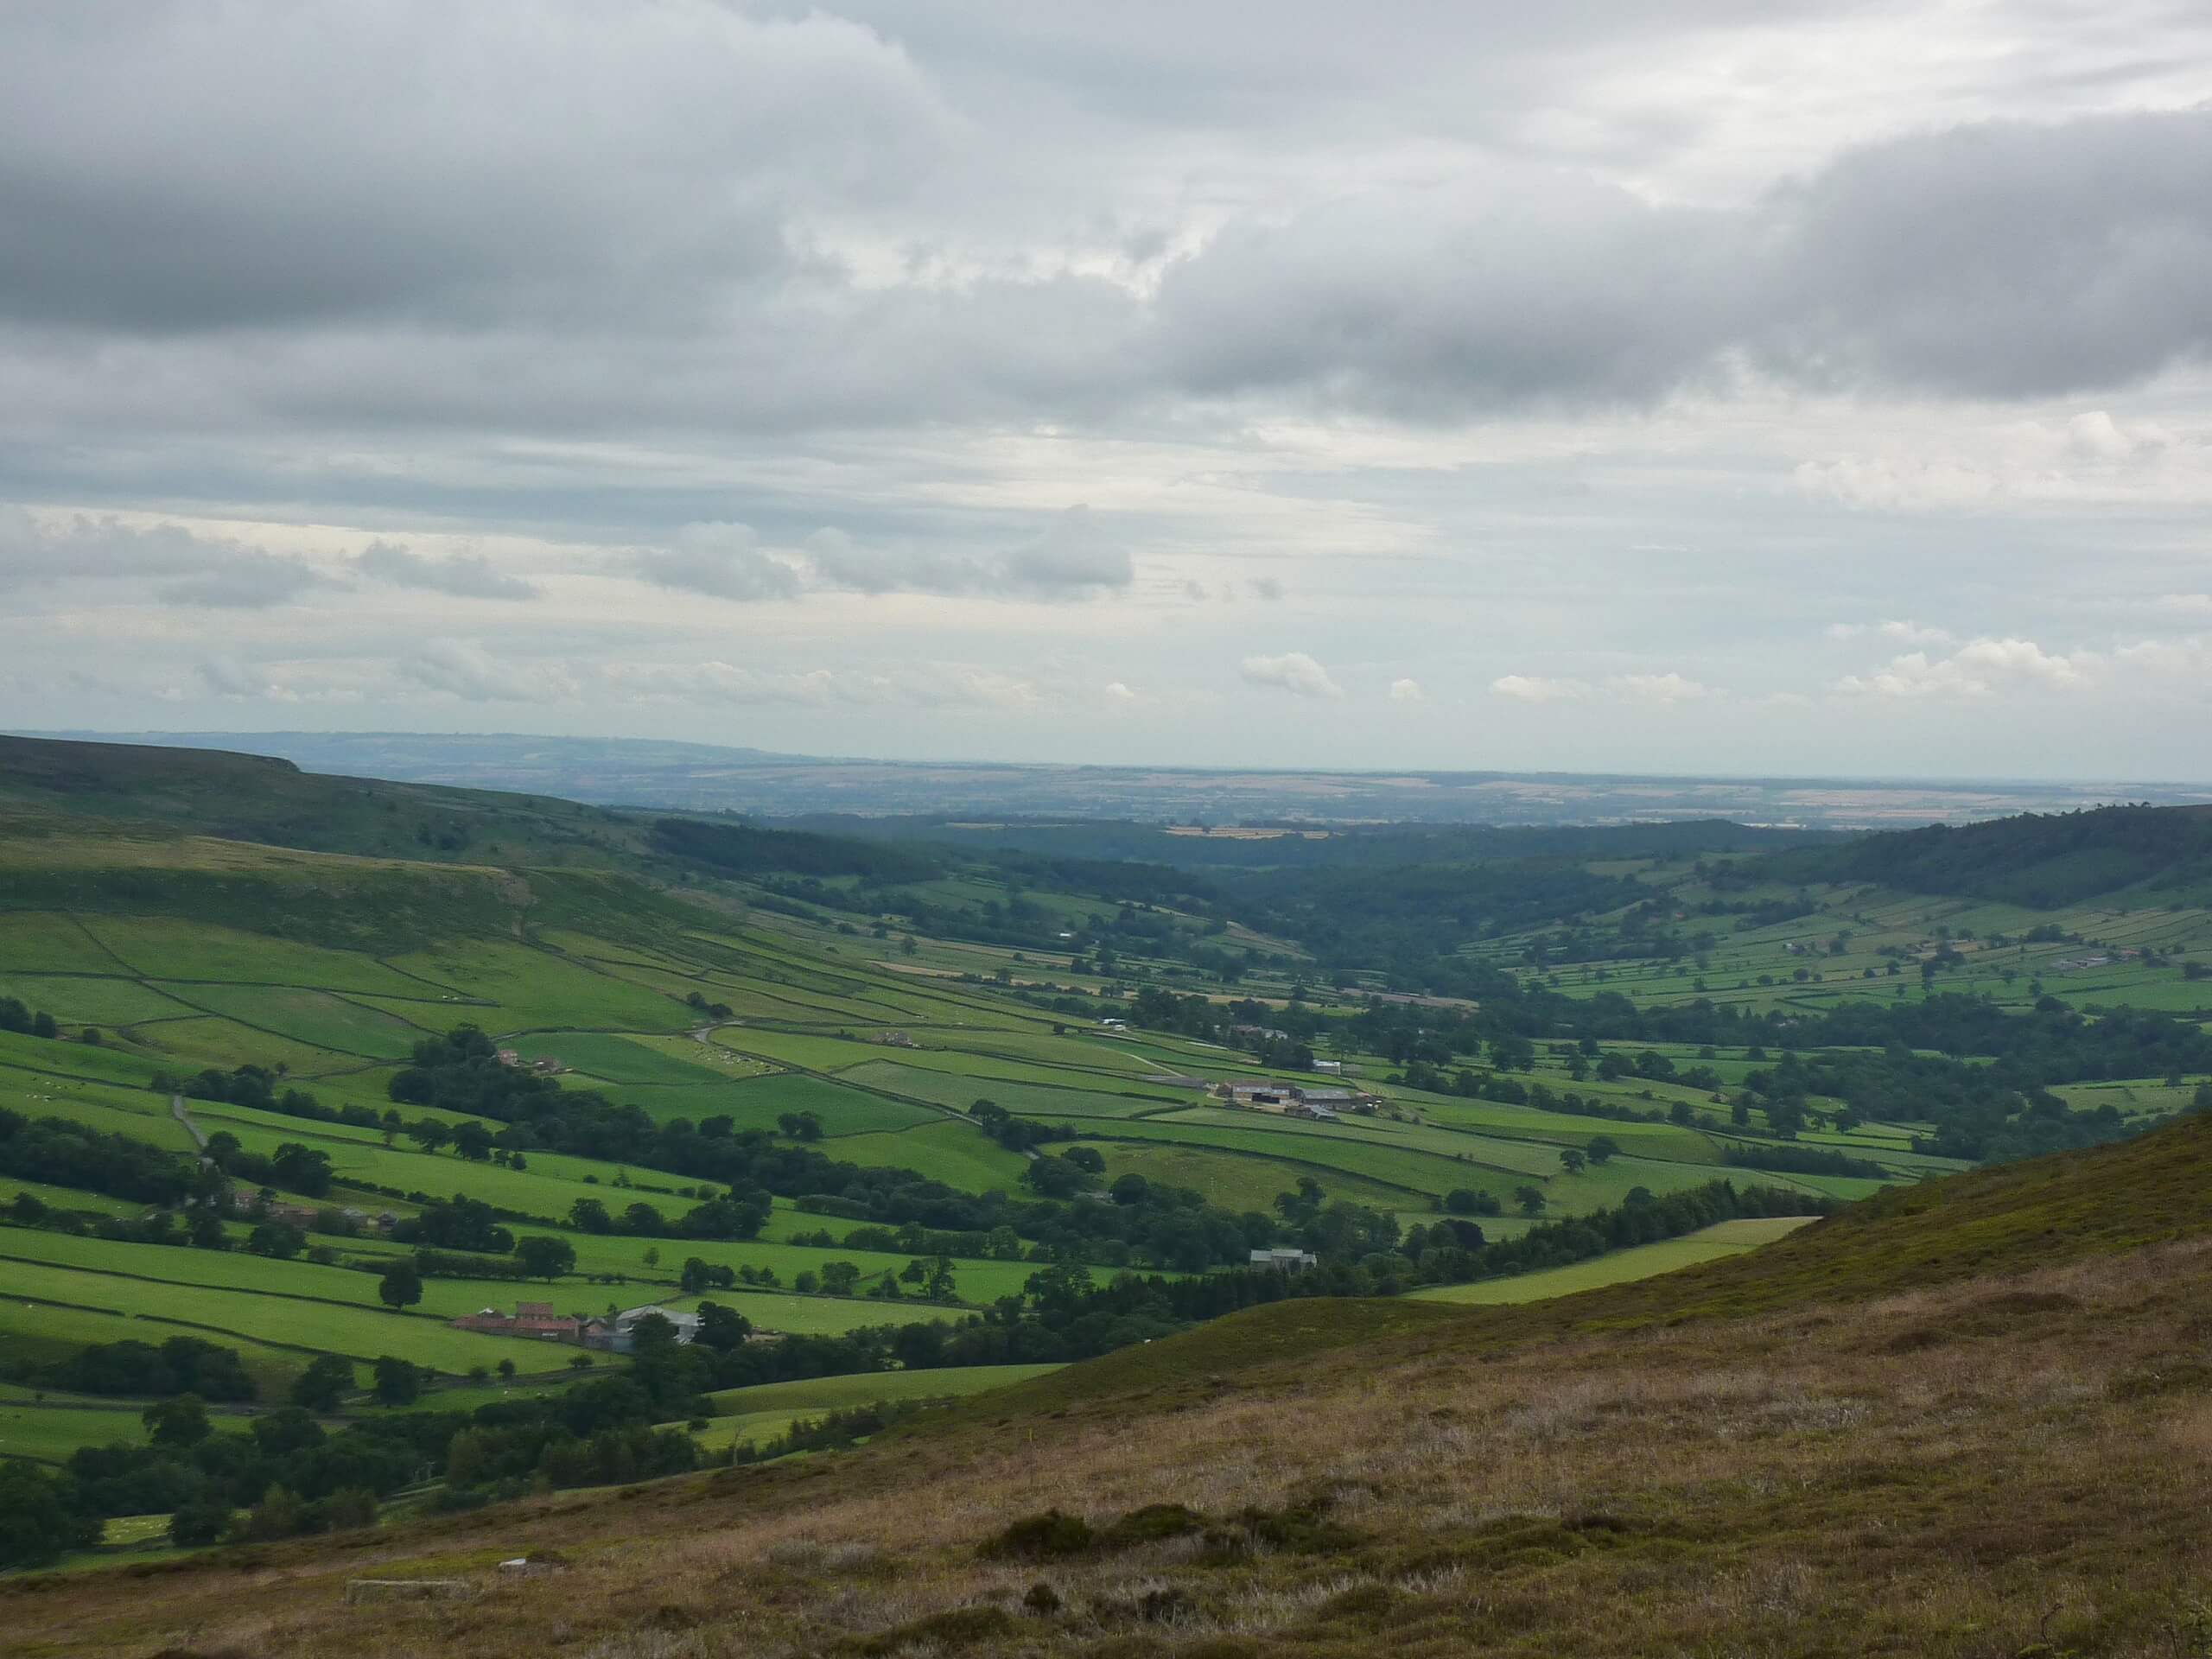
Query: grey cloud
column 464, row 575
column 723, row 561
column 2006, row 260
column 1075, row 555
column 237, row 166
column 469, row 672
column 248, row 580
column 226, row 676
column 192, row 569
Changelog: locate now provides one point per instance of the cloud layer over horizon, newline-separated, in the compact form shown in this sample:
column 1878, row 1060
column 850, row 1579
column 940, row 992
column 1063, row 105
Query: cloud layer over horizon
column 1589, row 389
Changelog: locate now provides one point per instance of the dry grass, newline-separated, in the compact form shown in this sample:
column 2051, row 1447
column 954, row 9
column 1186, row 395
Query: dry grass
column 1992, row 1469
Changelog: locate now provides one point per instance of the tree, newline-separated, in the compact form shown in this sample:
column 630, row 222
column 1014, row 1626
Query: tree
column 201, row 1521
column 473, row 1141
column 176, row 1425
column 1572, row 1159
column 839, row 1278
column 651, row 1257
column 938, row 1286
column 277, row 1239
column 723, row 1329
column 1603, row 1149
column 328, row 1380
column 399, row 1382
column 392, row 1124
column 1086, row 1159
column 401, row 1286
column 652, row 1338
column 1530, row 1200
column 301, row 1169
column 429, row 1133
column 543, row 1256
column 1459, row 1201
column 590, row 1215
column 42, row 1516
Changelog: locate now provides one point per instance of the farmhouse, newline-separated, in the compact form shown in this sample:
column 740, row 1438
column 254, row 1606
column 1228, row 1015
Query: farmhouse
column 529, row 1319
column 618, row 1334
column 1285, row 1260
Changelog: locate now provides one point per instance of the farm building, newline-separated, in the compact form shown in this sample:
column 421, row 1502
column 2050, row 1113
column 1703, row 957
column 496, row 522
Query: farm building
column 619, row 1335
column 529, row 1319
column 1286, row 1261
column 1257, row 1092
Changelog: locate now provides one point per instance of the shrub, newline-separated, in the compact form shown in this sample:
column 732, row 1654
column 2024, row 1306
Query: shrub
column 1051, row 1536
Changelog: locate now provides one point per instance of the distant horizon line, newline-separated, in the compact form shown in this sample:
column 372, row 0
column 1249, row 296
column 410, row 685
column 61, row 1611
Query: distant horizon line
column 1962, row 781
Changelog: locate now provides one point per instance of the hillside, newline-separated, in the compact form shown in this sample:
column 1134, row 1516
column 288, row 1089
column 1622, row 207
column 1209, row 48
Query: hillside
column 2045, row 860
column 1874, row 1438
column 931, row 1118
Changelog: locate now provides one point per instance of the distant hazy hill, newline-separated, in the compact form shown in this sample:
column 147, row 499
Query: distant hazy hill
column 697, row 777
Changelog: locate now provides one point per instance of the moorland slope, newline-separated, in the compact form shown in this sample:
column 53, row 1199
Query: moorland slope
column 1972, row 1418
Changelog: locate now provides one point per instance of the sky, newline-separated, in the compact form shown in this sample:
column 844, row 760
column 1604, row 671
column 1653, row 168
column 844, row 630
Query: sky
column 1739, row 386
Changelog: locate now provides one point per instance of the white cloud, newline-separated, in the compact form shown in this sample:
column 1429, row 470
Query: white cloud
column 1524, row 688
column 1911, row 633
column 2186, row 604
column 1656, row 688
column 1293, row 671
column 1117, row 692
column 2187, row 660
column 1975, row 669
column 934, row 684
column 1406, row 691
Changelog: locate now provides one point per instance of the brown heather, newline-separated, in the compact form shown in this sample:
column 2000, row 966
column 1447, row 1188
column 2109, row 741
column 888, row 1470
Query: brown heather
column 1978, row 1424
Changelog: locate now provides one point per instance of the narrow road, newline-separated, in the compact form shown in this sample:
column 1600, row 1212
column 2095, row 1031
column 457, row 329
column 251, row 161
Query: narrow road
column 177, row 1111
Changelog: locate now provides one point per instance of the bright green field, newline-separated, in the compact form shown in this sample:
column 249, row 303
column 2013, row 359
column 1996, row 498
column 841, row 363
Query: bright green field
column 955, row 1154
column 34, row 941
column 50, row 1433
column 315, row 1018
column 539, row 990
column 158, row 948
column 1233, row 1182
column 616, row 1060
column 75, row 998
column 1643, row 1262
column 39, row 1333
column 761, row 1413
column 362, row 1332
column 1024, row 1099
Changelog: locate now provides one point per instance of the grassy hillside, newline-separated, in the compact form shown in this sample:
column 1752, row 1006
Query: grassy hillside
column 1647, row 1025
column 1966, row 1421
